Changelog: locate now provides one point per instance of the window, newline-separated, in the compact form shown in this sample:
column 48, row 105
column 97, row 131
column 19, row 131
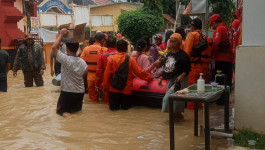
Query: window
column 104, row 20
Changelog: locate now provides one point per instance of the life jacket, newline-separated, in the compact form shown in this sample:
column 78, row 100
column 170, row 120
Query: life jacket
column 204, row 55
column 92, row 54
column 23, row 59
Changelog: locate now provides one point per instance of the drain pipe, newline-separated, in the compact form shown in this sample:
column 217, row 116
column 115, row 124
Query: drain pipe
column 222, row 134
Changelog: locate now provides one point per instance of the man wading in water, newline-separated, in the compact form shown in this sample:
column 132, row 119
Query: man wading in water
column 30, row 57
column 73, row 71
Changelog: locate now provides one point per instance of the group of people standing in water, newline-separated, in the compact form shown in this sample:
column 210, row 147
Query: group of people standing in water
column 178, row 59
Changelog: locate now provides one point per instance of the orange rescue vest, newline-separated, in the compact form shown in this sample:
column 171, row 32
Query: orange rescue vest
column 92, row 55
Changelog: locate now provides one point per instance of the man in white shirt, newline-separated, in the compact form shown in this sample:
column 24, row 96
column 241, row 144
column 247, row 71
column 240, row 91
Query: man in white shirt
column 73, row 70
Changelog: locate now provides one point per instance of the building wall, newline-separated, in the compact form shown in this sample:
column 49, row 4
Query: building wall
column 114, row 10
column 250, row 79
column 19, row 5
column 167, row 25
column 249, row 90
column 253, row 23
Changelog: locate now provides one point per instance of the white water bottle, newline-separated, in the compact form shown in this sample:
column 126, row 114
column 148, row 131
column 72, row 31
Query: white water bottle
column 200, row 85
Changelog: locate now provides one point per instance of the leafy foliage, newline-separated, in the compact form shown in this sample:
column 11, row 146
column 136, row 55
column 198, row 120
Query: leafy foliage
column 144, row 22
column 242, row 137
column 153, row 7
column 135, row 24
column 225, row 8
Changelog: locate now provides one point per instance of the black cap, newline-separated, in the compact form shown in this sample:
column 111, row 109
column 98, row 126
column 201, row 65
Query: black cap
column 197, row 23
column 99, row 36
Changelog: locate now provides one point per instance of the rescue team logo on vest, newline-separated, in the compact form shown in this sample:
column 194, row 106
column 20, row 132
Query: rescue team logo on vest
column 226, row 44
column 93, row 52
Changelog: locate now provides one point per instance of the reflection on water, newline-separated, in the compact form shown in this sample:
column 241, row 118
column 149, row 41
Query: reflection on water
column 28, row 121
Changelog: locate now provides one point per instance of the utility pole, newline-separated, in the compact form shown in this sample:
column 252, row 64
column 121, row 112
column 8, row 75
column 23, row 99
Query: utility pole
column 207, row 14
column 177, row 21
column 27, row 11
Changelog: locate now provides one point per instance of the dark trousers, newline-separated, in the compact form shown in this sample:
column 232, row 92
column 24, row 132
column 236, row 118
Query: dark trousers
column 69, row 102
column 30, row 75
column 119, row 101
column 226, row 68
column 57, row 68
column 3, row 85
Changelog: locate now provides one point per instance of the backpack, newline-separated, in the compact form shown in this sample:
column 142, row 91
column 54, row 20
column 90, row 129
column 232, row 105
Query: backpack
column 225, row 45
column 197, row 49
column 119, row 79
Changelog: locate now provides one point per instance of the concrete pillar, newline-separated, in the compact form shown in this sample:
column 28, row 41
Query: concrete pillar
column 250, row 69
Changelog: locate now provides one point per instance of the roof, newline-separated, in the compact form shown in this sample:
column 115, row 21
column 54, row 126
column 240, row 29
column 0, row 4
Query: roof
column 188, row 10
column 137, row 4
column 102, row 2
column 169, row 18
column 82, row 2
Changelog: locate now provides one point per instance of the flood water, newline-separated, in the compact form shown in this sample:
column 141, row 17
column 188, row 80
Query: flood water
column 28, row 121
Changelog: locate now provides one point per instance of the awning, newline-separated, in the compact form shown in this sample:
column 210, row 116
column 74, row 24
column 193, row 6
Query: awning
column 188, row 11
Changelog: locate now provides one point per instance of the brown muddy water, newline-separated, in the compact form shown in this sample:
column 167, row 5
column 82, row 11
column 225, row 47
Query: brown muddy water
column 28, row 121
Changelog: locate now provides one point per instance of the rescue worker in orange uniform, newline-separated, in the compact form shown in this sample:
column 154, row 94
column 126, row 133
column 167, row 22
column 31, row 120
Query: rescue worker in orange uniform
column 91, row 55
column 222, row 49
column 199, row 60
column 121, row 99
column 101, row 66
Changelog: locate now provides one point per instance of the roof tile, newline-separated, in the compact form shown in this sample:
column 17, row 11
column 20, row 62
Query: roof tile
column 188, row 10
column 102, row 2
column 169, row 18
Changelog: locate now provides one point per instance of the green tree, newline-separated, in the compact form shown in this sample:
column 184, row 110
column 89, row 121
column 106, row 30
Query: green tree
column 153, row 7
column 144, row 22
column 225, row 8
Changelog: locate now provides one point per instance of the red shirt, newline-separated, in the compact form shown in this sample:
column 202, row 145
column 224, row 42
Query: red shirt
column 102, row 63
column 223, row 34
column 162, row 46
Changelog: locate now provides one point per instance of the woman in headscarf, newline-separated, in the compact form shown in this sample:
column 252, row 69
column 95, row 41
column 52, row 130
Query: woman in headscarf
column 176, row 70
